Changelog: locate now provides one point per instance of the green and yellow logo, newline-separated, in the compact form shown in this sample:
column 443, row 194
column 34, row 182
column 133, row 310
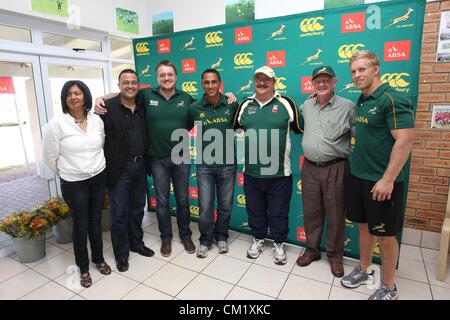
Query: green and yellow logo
column 280, row 86
column 194, row 211
column 243, row 60
column 189, row 87
column 240, row 200
column 396, row 81
column 402, row 18
column 311, row 60
column 213, row 39
column 245, row 87
column 193, row 152
column 275, row 35
column 311, row 27
column 299, row 187
column 142, row 49
column 171, row 188
column 188, row 45
column 347, row 50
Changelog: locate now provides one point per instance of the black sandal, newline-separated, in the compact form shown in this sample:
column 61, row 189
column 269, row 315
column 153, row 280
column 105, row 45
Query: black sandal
column 85, row 280
column 103, row 268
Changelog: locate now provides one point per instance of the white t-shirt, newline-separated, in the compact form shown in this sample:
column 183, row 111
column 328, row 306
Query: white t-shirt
column 70, row 152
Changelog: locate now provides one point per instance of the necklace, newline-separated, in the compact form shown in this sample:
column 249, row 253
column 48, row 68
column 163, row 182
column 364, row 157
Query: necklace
column 79, row 122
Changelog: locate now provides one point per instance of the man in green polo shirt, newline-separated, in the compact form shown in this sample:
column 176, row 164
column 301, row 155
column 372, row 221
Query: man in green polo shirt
column 384, row 138
column 216, row 161
column 328, row 122
column 267, row 118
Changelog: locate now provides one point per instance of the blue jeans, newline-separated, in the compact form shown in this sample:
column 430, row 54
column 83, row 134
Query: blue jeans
column 127, row 199
column 163, row 169
column 85, row 200
column 209, row 180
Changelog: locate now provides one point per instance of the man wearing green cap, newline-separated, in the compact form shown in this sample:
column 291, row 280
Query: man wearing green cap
column 328, row 123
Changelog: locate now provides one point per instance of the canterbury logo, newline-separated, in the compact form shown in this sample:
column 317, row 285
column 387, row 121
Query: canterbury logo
column 189, row 87
column 141, row 47
column 299, row 185
column 311, row 24
column 242, row 59
column 213, row 37
column 241, row 199
column 347, row 50
column 280, row 85
column 194, row 210
column 395, row 79
column 401, row 18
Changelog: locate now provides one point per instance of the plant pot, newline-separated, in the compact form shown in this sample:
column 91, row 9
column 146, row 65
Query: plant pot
column 30, row 250
column 63, row 230
column 106, row 220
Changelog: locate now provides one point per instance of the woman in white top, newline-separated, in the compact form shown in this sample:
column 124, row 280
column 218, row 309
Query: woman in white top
column 73, row 149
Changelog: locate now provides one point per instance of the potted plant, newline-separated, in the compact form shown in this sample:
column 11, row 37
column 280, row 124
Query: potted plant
column 28, row 230
column 63, row 228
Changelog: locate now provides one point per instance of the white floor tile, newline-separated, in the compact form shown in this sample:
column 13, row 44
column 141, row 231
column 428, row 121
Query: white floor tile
column 411, row 236
column 264, row 280
column 205, row 288
column 170, row 279
column 49, row 291
column 71, row 279
column 111, row 287
column 142, row 292
column 56, row 266
column 299, row 288
column 346, row 294
column 246, row 237
column 431, row 271
column 412, row 290
column 431, row 240
column 412, row 270
column 50, row 252
column 7, row 251
column 318, row 270
column 440, row 293
column 410, row 252
column 143, row 267
column 177, row 248
column 63, row 246
column 431, row 256
column 10, row 268
column 238, row 249
column 190, row 261
column 266, row 259
column 150, row 239
column 227, row 269
column 239, row 293
column 21, row 285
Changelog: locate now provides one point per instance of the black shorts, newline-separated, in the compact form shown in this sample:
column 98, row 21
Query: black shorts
column 383, row 217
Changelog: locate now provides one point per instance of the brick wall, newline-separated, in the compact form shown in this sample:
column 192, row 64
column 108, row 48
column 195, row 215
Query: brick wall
column 430, row 162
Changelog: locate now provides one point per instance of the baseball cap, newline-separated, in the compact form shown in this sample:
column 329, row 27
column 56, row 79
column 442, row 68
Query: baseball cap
column 323, row 70
column 268, row 71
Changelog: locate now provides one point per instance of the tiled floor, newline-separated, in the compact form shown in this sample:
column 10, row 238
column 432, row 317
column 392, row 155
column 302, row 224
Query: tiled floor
column 231, row 276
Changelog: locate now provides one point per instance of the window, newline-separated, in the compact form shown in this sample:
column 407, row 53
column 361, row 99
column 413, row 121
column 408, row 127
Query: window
column 71, row 42
column 121, row 49
column 15, row 34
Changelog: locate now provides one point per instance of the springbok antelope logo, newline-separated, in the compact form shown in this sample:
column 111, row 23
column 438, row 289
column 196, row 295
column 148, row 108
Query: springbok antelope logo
column 217, row 64
column 189, row 43
column 246, row 87
column 347, row 86
column 402, row 18
column 313, row 57
column 278, row 32
column 379, row 228
column 146, row 70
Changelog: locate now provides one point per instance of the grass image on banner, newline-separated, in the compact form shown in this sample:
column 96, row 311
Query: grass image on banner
column 162, row 23
column 239, row 10
column 55, row 7
column 341, row 3
column 127, row 21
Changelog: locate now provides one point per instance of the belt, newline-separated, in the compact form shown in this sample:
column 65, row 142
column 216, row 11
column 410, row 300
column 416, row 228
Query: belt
column 328, row 163
column 135, row 158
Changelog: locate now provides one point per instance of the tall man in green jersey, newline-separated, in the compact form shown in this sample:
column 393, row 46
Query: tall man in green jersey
column 384, row 137
column 216, row 165
column 267, row 118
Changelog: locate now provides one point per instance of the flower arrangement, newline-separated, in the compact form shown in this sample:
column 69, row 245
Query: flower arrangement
column 35, row 223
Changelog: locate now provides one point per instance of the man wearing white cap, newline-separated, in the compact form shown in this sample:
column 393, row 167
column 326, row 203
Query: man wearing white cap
column 267, row 118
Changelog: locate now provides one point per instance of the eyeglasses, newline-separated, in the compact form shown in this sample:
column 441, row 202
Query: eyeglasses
column 319, row 81
column 263, row 80
column 168, row 75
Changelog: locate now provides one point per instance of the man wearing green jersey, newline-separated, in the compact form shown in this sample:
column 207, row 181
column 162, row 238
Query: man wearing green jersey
column 216, row 165
column 267, row 119
column 384, row 137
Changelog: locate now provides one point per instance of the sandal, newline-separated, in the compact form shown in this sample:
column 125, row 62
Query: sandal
column 85, row 280
column 103, row 268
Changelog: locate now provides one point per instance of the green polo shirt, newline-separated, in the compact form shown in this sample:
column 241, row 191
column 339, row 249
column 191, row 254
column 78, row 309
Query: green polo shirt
column 163, row 117
column 376, row 115
column 219, row 118
column 279, row 116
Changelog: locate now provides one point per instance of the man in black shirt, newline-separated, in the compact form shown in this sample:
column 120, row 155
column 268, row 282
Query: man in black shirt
column 125, row 143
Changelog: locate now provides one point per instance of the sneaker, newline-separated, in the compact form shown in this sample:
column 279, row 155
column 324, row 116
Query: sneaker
column 202, row 251
column 384, row 293
column 279, row 255
column 255, row 250
column 222, row 246
column 356, row 278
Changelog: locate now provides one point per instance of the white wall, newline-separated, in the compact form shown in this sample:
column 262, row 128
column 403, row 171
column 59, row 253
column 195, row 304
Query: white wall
column 95, row 14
